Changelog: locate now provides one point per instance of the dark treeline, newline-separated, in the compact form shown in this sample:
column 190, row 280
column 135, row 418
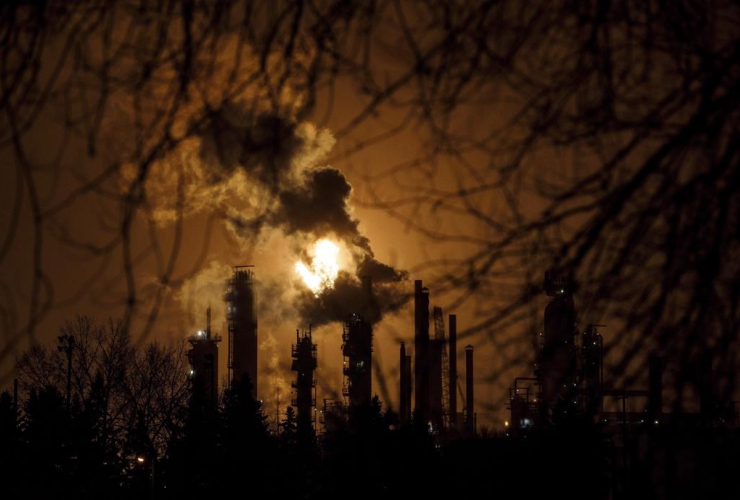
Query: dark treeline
column 127, row 424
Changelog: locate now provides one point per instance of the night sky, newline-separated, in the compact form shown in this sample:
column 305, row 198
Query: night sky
column 470, row 146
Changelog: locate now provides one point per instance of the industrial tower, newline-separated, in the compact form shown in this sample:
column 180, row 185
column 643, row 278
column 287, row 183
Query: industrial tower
column 203, row 357
column 557, row 361
column 404, row 371
column 357, row 349
column 454, row 418
column 440, row 372
column 304, row 387
column 242, row 320
column 421, row 350
column 469, row 392
column 592, row 356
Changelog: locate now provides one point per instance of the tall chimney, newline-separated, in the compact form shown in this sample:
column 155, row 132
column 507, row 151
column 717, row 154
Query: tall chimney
column 408, row 388
column 453, row 370
column 421, row 350
column 469, row 403
column 402, row 383
column 367, row 292
column 208, row 323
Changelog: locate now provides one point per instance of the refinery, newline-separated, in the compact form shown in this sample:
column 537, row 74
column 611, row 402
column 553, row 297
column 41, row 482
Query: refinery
column 567, row 376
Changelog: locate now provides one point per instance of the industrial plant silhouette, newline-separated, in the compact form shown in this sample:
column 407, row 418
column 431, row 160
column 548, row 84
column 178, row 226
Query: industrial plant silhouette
column 556, row 429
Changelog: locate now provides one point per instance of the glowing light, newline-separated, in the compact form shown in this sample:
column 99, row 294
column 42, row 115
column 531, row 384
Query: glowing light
column 140, row 459
column 324, row 267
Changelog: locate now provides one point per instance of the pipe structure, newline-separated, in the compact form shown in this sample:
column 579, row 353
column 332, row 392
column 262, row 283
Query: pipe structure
column 402, row 384
column 470, row 402
column 421, row 350
column 304, row 364
column 241, row 299
column 357, row 349
column 453, row 370
column 203, row 358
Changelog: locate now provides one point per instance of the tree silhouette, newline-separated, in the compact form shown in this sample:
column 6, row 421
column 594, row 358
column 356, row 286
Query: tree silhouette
column 289, row 426
column 247, row 446
column 10, row 442
column 45, row 431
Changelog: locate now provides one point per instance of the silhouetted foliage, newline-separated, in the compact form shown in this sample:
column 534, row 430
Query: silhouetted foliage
column 248, row 449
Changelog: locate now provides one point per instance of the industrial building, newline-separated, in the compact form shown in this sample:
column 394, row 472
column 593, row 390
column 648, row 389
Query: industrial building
column 557, row 357
column 203, row 357
column 357, row 348
column 241, row 314
column 304, row 364
column 569, row 376
column 470, row 423
column 405, row 388
column 421, row 351
column 435, row 370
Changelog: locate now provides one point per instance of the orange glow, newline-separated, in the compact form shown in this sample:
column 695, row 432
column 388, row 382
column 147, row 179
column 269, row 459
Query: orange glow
column 324, row 267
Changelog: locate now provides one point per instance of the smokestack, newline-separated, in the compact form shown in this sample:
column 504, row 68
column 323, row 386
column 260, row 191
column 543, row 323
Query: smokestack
column 655, row 385
column 469, row 403
column 421, row 350
column 241, row 302
column 453, row 369
column 408, row 387
column 402, row 384
column 208, row 323
column 357, row 350
column 203, row 357
column 367, row 287
column 435, row 383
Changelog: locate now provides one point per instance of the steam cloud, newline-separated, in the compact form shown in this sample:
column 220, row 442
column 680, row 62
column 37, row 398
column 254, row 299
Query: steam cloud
column 279, row 156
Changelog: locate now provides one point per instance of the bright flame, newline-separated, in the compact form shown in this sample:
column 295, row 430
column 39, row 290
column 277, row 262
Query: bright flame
column 323, row 269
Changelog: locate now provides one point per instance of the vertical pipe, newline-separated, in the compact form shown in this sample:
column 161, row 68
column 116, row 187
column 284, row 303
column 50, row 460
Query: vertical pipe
column 435, row 383
column 367, row 288
column 402, row 383
column 453, row 370
column 421, row 349
column 470, row 403
column 408, row 388
column 208, row 323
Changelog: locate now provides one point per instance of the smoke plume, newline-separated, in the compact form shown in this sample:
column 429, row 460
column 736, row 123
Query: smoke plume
column 288, row 190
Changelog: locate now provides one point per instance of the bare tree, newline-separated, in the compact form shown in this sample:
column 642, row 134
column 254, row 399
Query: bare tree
column 123, row 383
column 596, row 136
column 616, row 159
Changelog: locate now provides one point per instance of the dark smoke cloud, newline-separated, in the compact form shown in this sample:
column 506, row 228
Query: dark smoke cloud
column 263, row 145
column 379, row 272
column 347, row 297
column 319, row 206
column 304, row 201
